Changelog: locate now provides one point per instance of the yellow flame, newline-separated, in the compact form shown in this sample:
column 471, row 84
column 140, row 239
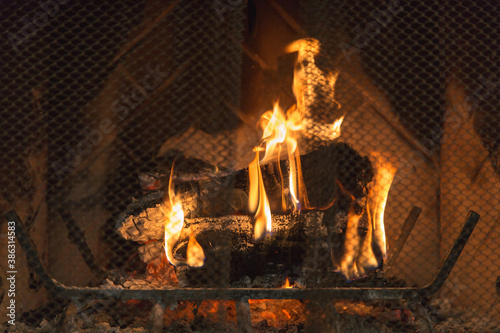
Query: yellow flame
column 334, row 131
column 307, row 48
column 359, row 256
column 195, row 255
column 173, row 227
column 274, row 134
column 283, row 129
column 348, row 265
column 377, row 199
column 306, row 72
column 287, row 284
column 258, row 200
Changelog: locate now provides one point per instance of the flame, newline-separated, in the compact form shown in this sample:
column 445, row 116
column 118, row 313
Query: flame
column 283, row 129
column 305, row 93
column 174, row 223
column 287, row 284
column 173, row 227
column 274, row 132
column 377, row 199
column 195, row 255
column 278, row 129
column 359, row 255
column 348, row 265
column 258, row 201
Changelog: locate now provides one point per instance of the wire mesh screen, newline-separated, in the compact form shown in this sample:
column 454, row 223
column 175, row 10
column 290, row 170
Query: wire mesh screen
column 131, row 132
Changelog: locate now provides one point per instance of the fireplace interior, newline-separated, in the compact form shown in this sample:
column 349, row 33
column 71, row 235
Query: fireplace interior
column 250, row 166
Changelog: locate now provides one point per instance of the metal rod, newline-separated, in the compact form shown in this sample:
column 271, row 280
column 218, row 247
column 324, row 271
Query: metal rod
column 402, row 237
column 77, row 237
column 61, row 290
column 31, row 252
column 452, row 256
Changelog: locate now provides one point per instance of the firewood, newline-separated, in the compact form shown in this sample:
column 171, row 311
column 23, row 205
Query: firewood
column 227, row 194
column 210, row 205
column 229, row 247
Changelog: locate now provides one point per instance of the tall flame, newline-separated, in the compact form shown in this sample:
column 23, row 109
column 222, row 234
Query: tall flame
column 348, row 265
column 173, row 227
column 306, row 93
column 174, row 223
column 278, row 129
column 283, row 129
column 258, row 201
column 377, row 199
column 359, row 255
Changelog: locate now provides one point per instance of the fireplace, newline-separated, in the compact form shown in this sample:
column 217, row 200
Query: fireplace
column 250, row 166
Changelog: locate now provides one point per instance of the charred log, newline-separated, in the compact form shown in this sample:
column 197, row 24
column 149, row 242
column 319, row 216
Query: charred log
column 209, row 194
column 216, row 207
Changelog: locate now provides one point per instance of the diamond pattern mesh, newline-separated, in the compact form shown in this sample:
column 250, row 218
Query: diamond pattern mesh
column 100, row 99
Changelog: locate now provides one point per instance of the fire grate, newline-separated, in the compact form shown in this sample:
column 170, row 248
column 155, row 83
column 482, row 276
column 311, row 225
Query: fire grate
column 242, row 295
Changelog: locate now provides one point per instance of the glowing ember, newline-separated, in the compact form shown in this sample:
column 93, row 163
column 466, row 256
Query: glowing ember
column 173, row 227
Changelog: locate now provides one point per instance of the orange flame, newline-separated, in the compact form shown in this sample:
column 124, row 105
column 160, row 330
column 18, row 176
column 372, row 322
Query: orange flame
column 279, row 129
column 173, row 227
column 306, row 72
column 377, row 198
column 287, row 284
column 359, row 254
column 348, row 265
column 258, row 201
column 275, row 132
column 195, row 255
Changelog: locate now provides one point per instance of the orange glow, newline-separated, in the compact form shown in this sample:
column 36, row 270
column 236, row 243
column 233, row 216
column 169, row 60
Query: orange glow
column 161, row 272
column 173, row 227
column 287, row 284
column 278, row 313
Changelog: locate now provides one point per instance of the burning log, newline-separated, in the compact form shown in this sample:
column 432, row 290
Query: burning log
column 226, row 237
column 224, row 194
column 229, row 246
